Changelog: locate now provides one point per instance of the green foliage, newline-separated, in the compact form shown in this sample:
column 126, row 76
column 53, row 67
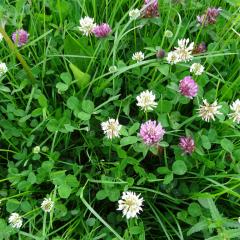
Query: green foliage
column 186, row 196
column 179, row 167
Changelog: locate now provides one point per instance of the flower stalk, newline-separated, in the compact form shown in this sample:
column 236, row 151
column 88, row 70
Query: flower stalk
column 18, row 55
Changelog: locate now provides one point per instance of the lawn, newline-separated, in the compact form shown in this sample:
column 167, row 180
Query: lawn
column 119, row 119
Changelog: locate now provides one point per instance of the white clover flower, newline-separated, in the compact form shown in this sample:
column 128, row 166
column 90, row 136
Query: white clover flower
column 146, row 100
column 239, row 220
column 172, row 58
column 134, row 14
column 130, row 204
column 3, row 69
column 168, row 34
column 208, row 111
column 47, row 205
column 111, row 128
column 112, row 69
column 138, row 56
column 235, row 115
column 15, row 220
column 36, row 149
column 184, row 50
column 197, row 68
column 87, row 25
column 1, row 37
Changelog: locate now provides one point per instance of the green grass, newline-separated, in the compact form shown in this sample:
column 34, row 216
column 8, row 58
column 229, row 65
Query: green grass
column 58, row 90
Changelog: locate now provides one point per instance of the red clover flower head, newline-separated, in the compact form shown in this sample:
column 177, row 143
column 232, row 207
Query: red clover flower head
column 200, row 48
column 187, row 144
column 160, row 53
column 152, row 8
column 188, row 87
column 210, row 16
column 151, row 132
column 102, row 30
column 20, row 37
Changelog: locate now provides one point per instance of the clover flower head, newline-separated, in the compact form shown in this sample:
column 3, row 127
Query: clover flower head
column 138, row 56
column 197, row 68
column 130, row 204
column 151, row 132
column 172, row 57
column 134, row 14
column 200, row 48
column 3, row 69
column 111, row 128
column 212, row 14
column 209, row 17
column 15, row 220
column 151, row 8
column 160, row 53
column 112, row 69
column 20, row 37
column 146, row 100
column 86, row 25
column 168, row 34
column 235, row 115
column 208, row 111
column 187, row 144
column 47, row 205
column 36, row 149
column 188, row 87
column 184, row 50
column 102, row 30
